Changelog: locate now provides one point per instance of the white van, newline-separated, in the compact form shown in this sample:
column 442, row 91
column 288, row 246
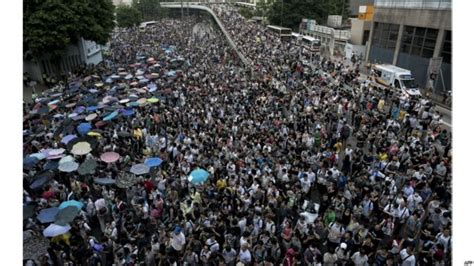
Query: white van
column 143, row 25
column 399, row 78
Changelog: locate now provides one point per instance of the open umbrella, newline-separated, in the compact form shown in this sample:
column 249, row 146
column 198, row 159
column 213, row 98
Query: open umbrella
column 110, row 157
column 153, row 162
column 68, row 167
column 128, row 112
column 91, row 117
column 55, row 230
column 104, row 181
column 68, row 138
column 68, row 203
column 198, row 176
column 56, row 152
column 28, row 211
column 152, row 100
column 66, row 215
column 29, row 162
column 47, row 215
column 83, row 128
column 87, row 167
column 66, row 159
column 81, row 148
column 111, row 116
column 140, row 169
column 40, row 156
column 51, row 165
column 41, row 179
column 125, row 180
column 91, row 140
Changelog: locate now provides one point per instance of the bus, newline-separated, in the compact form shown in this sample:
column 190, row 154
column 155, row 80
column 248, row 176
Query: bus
column 284, row 33
column 145, row 24
column 311, row 43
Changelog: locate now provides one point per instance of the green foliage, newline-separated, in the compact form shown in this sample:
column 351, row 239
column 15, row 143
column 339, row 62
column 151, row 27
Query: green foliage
column 292, row 11
column 149, row 9
column 49, row 26
column 246, row 12
column 127, row 16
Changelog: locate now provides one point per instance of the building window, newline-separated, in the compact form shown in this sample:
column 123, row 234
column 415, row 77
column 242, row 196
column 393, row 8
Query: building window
column 446, row 52
column 419, row 41
column 385, row 35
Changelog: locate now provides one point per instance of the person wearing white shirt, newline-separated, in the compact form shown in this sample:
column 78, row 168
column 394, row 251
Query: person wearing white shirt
column 244, row 255
column 407, row 258
column 178, row 240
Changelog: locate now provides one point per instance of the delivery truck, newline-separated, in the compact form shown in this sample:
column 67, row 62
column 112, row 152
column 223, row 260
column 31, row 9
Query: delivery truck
column 396, row 77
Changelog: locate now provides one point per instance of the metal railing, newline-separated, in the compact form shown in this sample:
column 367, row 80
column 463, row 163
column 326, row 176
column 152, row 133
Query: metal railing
column 415, row 4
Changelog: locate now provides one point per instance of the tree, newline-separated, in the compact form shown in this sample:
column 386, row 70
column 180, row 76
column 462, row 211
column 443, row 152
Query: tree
column 127, row 16
column 289, row 13
column 149, row 9
column 246, row 12
column 50, row 26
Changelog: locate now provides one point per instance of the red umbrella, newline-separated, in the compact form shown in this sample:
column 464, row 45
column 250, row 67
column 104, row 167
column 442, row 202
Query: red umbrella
column 110, row 157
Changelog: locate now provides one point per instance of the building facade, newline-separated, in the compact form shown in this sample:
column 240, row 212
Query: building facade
column 84, row 52
column 414, row 35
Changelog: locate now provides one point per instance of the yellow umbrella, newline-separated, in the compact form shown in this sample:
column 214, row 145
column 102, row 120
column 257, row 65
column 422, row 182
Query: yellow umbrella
column 81, row 148
column 94, row 134
column 152, row 100
column 98, row 85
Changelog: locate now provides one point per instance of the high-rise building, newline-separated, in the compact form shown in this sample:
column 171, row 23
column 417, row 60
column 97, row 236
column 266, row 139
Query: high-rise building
column 415, row 35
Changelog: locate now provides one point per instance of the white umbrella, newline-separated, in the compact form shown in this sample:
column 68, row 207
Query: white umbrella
column 55, row 230
column 68, row 167
column 66, row 159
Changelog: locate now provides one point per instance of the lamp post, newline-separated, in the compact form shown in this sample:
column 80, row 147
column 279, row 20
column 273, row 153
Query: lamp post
column 281, row 13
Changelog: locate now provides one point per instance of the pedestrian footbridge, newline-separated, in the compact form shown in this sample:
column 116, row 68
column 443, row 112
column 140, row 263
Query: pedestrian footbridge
column 200, row 6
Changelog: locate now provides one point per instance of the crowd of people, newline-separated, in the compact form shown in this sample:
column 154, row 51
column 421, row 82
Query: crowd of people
column 308, row 165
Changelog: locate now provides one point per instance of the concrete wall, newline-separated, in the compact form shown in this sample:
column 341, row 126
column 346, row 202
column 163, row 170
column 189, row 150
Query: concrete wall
column 354, row 5
column 357, row 30
column 435, row 19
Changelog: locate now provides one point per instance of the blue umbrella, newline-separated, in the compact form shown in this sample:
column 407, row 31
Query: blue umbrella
column 198, row 176
column 51, row 165
column 79, row 109
column 91, row 108
column 104, row 181
column 30, row 161
column 41, row 179
column 111, row 116
column 68, row 138
column 152, row 162
column 140, row 169
column 47, row 215
column 128, row 112
column 83, row 128
column 68, row 203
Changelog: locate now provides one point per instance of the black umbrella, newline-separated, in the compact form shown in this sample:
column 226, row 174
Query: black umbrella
column 41, row 179
column 66, row 215
column 87, row 167
column 28, row 211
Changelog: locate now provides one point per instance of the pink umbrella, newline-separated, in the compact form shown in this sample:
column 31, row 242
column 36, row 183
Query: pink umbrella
column 110, row 157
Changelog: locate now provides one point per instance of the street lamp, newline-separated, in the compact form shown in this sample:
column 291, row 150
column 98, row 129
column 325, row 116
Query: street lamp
column 281, row 13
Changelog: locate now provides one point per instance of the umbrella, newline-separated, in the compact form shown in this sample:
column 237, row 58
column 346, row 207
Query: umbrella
column 124, row 100
column 125, row 181
column 68, row 203
column 55, row 230
column 198, row 176
column 52, row 157
column 91, row 117
column 100, row 123
column 81, row 148
column 41, row 179
column 91, row 140
column 56, row 152
column 111, row 116
column 94, row 134
column 128, row 112
column 68, row 138
column 51, row 165
column 68, row 167
column 142, row 100
column 152, row 162
column 152, row 100
column 109, row 157
column 87, row 167
column 91, row 108
column 70, row 105
column 30, row 161
column 83, row 128
column 104, row 181
column 78, row 117
column 79, row 109
column 133, row 104
column 66, row 215
column 40, row 156
column 28, row 211
column 47, row 215
column 140, row 169
column 66, row 159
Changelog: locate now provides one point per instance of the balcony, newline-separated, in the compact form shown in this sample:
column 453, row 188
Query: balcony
column 414, row 4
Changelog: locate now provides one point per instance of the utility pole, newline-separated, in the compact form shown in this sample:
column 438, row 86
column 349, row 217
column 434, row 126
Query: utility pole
column 281, row 14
